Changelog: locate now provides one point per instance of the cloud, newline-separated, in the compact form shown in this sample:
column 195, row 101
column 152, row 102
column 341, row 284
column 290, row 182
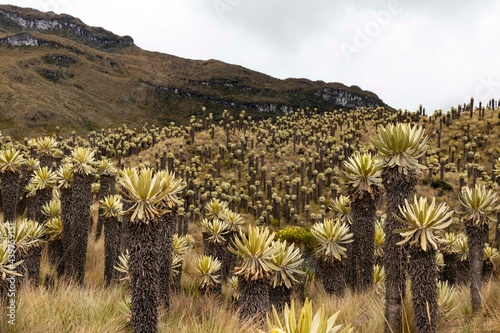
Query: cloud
column 283, row 25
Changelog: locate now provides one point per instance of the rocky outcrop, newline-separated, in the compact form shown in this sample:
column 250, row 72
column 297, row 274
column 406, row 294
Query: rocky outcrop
column 24, row 39
column 224, row 83
column 346, row 98
column 261, row 107
column 65, row 23
column 332, row 97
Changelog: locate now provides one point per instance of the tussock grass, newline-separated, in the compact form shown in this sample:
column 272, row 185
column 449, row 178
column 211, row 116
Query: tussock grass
column 94, row 308
column 365, row 311
column 68, row 308
column 199, row 314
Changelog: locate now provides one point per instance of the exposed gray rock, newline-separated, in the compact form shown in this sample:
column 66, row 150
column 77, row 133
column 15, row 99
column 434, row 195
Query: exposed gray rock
column 67, row 23
column 345, row 98
column 24, row 39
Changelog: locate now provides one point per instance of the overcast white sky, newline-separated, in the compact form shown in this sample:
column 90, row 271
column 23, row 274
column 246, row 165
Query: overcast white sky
column 430, row 52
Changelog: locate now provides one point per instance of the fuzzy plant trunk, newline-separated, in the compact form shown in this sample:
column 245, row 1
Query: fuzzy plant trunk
column 450, row 268
column 175, row 282
column 56, row 255
column 231, row 258
column 363, row 245
column 126, row 239
column 144, row 268
column 81, row 202
column 206, row 246
column 463, row 273
column 67, row 237
column 254, row 299
column 24, row 178
column 32, row 265
column 487, row 270
column 180, row 229
column 107, row 187
column 185, row 225
column 310, row 261
column 330, row 273
column 279, row 296
column 10, row 198
column 31, row 207
column 41, row 198
column 423, row 274
column 112, row 236
column 221, row 252
column 4, row 289
column 167, row 227
column 398, row 186
column 496, row 243
column 349, row 267
column 46, row 161
column 476, row 236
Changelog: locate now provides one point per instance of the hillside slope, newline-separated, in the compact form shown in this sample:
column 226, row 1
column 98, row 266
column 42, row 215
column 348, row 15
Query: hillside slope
column 55, row 70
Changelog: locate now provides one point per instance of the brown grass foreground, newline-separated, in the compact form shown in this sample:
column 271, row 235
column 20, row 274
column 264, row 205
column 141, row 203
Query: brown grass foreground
column 94, row 308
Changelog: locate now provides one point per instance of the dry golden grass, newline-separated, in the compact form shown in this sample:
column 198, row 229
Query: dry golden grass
column 95, row 308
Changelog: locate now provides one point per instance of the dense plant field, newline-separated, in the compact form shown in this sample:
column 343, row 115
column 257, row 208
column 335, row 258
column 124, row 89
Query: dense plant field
column 385, row 220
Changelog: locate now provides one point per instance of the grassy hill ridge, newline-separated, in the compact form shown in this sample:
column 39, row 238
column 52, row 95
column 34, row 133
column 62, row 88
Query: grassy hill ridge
column 55, row 70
